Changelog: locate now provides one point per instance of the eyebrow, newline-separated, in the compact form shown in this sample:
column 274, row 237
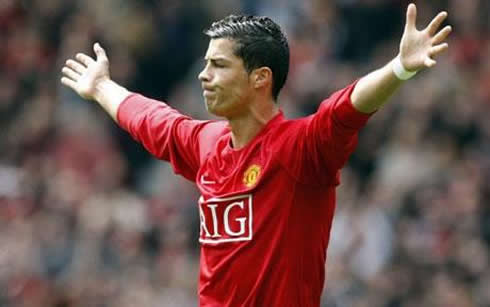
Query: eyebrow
column 214, row 59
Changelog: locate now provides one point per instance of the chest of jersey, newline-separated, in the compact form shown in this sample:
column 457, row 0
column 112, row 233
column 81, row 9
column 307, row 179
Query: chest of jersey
column 233, row 187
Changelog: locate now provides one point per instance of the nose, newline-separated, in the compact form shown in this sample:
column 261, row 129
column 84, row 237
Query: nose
column 204, row 75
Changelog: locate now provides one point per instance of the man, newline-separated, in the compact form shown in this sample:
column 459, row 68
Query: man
column 267, row 183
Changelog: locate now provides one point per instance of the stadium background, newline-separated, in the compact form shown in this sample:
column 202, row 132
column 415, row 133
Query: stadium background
column 87, row 218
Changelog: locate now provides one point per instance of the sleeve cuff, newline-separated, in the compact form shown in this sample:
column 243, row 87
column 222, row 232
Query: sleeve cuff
column 345, row 112
column 128, row 107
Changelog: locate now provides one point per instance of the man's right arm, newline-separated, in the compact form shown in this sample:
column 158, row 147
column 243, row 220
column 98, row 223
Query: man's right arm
column 163, row 131
column 90, row 79
column 109, row 95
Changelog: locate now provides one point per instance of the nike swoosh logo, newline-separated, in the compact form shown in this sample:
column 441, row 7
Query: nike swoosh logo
column 204, row 181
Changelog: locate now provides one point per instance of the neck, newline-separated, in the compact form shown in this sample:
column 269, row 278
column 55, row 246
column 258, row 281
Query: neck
column 245, row 128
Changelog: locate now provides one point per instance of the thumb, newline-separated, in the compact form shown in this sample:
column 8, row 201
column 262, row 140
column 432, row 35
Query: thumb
column 100, row 52
column 411, row 17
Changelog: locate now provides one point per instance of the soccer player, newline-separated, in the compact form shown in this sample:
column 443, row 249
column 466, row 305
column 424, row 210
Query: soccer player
column 267, row 183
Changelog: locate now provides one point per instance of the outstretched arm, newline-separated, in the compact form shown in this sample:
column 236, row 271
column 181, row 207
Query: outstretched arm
column 418, row 50
column 163, row 131
column 91, row 80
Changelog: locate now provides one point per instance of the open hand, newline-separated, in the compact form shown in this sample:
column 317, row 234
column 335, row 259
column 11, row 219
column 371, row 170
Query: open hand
column 418, row 49
column 84, row 74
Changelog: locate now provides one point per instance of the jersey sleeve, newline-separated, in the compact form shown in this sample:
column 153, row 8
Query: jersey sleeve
column 318, row 146
column 167, row 134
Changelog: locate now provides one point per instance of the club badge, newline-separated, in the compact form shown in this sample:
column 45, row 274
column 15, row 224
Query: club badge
column 251, row 175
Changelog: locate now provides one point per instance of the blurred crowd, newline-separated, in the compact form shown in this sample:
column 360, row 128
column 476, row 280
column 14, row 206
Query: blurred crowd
column 87, row 218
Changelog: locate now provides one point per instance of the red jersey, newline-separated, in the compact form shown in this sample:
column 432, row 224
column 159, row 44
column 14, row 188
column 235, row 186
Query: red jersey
column 266, row 209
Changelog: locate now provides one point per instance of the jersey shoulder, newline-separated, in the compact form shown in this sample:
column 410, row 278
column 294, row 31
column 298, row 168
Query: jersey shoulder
column 286, row 132
column 294, row 144
column 209, row 134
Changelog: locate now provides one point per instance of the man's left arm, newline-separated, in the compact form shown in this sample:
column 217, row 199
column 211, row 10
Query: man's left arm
column 418, row 50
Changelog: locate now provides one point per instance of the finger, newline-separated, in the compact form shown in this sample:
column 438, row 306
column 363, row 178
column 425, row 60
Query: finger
column 68, row 82
column 70, row 73
column 85, row 59
column 436, row 50
column 100, row 52
column 411, row 16
column 436, row 23
column 428, row 62
column 441, row 35
column 77, row 67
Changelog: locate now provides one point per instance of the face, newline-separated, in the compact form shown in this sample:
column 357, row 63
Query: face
column 225, row 81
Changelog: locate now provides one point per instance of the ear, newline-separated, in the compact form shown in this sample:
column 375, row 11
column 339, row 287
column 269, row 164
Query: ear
column 262, row 77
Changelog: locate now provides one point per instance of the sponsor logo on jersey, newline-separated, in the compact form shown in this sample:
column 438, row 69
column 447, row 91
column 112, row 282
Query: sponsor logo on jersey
column 226, row 219
column 251, row 175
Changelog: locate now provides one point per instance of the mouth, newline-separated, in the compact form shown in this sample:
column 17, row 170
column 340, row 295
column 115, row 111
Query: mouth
column 206, row 87
column 208, row 92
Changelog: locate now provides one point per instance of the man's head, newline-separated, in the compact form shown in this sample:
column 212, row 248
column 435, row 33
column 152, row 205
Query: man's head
column 255, row 43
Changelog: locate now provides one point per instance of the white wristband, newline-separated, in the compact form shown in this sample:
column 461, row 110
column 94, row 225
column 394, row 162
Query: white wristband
column 400, row 71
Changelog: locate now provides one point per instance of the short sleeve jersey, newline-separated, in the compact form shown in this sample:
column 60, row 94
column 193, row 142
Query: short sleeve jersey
column 265, row 209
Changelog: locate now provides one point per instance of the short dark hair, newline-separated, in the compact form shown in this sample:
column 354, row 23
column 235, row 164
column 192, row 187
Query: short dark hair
column 259, row 42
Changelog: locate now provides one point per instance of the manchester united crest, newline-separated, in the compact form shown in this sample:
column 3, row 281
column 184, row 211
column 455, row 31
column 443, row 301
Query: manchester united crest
column 251, row 175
